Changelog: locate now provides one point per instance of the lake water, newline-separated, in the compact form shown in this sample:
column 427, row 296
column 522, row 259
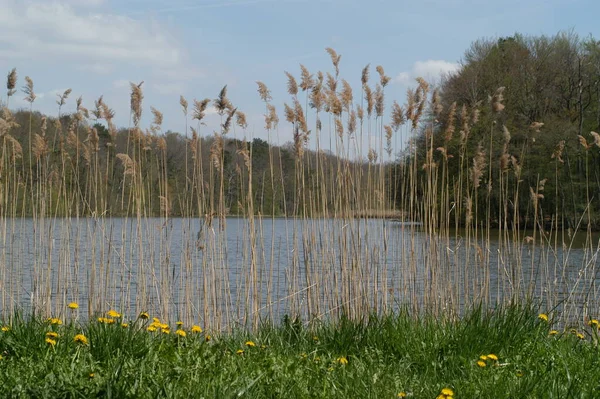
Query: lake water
column 228, row 274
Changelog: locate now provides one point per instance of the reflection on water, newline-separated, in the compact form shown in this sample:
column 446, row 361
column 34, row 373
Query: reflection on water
column 223, row 274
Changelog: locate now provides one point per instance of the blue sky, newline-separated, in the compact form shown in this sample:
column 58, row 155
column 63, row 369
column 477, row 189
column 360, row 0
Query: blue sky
column 193, row 48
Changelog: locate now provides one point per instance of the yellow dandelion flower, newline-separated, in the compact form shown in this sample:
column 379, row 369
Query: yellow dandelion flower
column 342, row 360
column 113, row 314
column 55, row 320
column 73, row 305
column 52, row 335
column 483, row 357
column 493, row 357
column 163, row 326
column 196, row 329
column 553, row 332
column 543, row 316
column 181, row 333
column 144, row 316
column 580, row 336
column 593, row 322
column 91, row 375
column 481, row 363
column 151, row 329
column 519, row 373
column 179, row 323
column 207, row 338
column 447, row 392
column 80, row 339
column 315, row 338
column 124, row 325
column 250, row 343
column 156, row 320
column 240, row 352
column 5, row 328
column 166, row 331
column 50, row 341
column 402, row 395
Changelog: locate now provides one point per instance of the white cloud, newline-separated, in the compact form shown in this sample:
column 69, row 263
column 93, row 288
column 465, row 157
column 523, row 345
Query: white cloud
column 39, row 30
column 430, row 70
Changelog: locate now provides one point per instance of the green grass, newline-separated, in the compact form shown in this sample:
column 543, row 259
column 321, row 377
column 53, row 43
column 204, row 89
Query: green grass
column 385, row 356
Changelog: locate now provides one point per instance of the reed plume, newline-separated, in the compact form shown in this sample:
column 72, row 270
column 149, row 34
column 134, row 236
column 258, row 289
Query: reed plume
column 200, row 109
column 11, row 82
column 28, row 90
column 307, row 81
column 136, row 102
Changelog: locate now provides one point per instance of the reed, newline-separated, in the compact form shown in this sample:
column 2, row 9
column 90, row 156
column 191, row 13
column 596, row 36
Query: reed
column 326, row 229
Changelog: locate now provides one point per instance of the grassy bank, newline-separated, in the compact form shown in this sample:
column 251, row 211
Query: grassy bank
column 384, row 357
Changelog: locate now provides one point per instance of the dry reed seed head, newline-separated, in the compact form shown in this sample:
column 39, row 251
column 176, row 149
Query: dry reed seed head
column 334, row 104
column 478, row 166
column 298, row 142
column 449, row 131
column 306, row 81
column 388, row 138
column 383, row 79
column 410, row 103
column 271, row 118
column 515, row 165
column 264, row 92
column 222, row 103
column 360, row 112
column 497, row 99
column 339, row 127
column 136, row 102
column 128, row 164
column 11, row 81
column 200, row 109
column 292, row 85
column 558, row 150
column 505, row 134
column 364, row 77
column 583, row 142
column 216, row 151
column 352, row 123
column 346, row 95
column 94, row 139
column 300, row 119
column 290, row 114
column 316, row 97
column 17, row 150
column 28, row 90
column 241, row 120
column 596, row 137
column 335, row 59
column 369, row 97
column 157, row 117
column 62, row 98
column 372, row 155
column 184, row 105
column 161, row 144
column 436, row 103
column 397, row 116
column 227, row 124
column 331, row 82
column 379, row 101
column 536, row 126
column 40, row 146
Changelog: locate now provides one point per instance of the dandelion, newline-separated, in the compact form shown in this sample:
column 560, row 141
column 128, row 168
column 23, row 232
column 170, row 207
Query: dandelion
column 50, row 342
column 151, row 329
column 181, row 333
column 73, row 305
column 166, row 331
column 80, row 339
column 519, row 373
column 543, row 316
column 144, row 316
column 52, row 335
column 55, row 320
column 481, row 363
column 315, row 338
column 5, row 328
column 124, row 325
column 91, row 375
column 207, row 338
column 493, row 357
column 402, row 395
column 179, row 323
column 156, row 320
column 342, row 360
column 580, row 335
column 113, row 314
column 447, row 392
column 196, row 329
column 250, row 344
column 593, row 322
column 483, row 357
column 553, row 332
column 240, row 352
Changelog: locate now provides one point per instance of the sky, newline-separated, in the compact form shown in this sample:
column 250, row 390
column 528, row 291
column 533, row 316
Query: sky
column 194, row 48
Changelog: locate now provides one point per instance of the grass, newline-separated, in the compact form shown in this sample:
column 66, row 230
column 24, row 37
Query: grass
column 380, row 358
